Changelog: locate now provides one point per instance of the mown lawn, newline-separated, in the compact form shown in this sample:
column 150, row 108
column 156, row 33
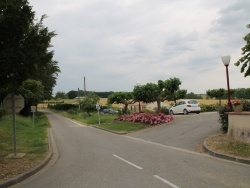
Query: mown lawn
column 30, row 139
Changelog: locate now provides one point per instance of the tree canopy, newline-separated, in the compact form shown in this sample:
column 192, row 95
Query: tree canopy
column 24, row 48
column 125, row 98
column 163, row 90
column 245, row 60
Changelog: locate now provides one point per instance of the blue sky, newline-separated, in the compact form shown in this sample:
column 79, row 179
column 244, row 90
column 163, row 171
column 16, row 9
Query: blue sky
column 116, row 44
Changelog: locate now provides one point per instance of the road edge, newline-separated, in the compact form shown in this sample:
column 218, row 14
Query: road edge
column 32, row 171
column 209, row 151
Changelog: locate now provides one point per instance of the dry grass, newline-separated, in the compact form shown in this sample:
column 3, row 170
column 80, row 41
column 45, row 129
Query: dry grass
column 103, row 101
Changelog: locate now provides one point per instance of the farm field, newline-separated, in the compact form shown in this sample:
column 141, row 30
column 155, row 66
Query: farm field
column 103, row 101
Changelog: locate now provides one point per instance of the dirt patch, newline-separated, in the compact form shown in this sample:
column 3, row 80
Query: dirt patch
column 10, row 168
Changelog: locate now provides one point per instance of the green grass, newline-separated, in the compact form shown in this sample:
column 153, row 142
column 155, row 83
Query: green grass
column 236, row 148
column 106, row 122
column 30, row 139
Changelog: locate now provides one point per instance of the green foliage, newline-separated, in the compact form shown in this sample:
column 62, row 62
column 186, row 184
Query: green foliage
column 223, row 117
column 62, row 107
column 245, row 60
column 31, row 139
column 88, row 104
column 168, row 89
column 208, row 107
column 165, row 110
column 61, row 95
column 173, row 91
column 246, row 105
column 2, row 112
column 125, row 98
column 216, row 93
column 192, row 96
column 24, row 48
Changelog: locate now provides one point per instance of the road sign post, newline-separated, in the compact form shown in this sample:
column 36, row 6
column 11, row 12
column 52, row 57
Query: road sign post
column 98, row 107
column 13, row 104
column 33, row 110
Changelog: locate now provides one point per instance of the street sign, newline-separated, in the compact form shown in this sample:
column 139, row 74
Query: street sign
column 13, row 101
column 33, row 108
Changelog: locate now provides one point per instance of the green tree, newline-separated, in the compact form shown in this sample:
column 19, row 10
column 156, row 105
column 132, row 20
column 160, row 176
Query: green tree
column 173, row 91
column 217, row 94
column 245, row 60
column 33, row 92
column 150, row 93
column 24, row 48
column 124, row 98
column 88, row 104
column 72, row 94
column 61, row 95
column 15, row 19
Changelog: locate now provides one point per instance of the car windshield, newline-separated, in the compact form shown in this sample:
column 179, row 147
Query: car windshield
column 192, row 102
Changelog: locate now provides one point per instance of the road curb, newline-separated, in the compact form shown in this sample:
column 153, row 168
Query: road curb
column 33, row 170
column 224, row 156
column 120, row 133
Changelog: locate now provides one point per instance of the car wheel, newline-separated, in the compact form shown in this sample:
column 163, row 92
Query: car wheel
column 171, row 112
column 185, row 112
column 197, row 112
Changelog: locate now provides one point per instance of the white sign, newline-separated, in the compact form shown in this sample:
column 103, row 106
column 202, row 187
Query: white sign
column 13, row 101
column 33, row 108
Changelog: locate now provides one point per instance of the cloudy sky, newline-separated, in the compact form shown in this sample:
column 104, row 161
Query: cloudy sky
column 117, row 44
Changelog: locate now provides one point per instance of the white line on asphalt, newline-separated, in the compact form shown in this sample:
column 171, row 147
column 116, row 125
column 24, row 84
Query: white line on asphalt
column 132, row 164
column 166, row 181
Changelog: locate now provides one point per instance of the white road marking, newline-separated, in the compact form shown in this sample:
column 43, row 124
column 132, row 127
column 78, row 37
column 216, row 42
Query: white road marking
column 132, row 164
column 166, row 181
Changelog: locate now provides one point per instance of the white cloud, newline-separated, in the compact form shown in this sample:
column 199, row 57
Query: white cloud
column 115, row 44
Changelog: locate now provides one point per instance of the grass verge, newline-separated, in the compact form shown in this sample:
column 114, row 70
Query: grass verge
column 106, row 122
column 30, row 139
column 223, row 144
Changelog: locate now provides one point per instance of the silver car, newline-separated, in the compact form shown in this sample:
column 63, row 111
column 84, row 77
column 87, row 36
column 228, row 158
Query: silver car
column 185, row 107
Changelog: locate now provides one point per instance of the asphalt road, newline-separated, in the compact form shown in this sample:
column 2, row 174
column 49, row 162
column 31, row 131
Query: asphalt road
column 185, row 131
column 90, row 157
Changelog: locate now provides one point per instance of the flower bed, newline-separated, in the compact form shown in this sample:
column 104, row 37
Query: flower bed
column 146, row 118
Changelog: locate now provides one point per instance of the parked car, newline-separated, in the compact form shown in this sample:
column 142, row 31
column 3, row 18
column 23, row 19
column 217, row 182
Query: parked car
column 185, row 107
column 109, row 111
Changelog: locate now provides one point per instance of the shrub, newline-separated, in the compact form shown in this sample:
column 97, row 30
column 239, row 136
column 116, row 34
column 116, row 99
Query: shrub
column 209, row 107
column 246, row 105
column 222, row 110
column 62, row 107
column 165, row 110
column 72, row 111
column 2, row 112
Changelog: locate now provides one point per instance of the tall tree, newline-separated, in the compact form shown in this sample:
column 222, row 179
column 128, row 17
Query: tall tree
column 33, row 92
column 149, row 93
column 216, row 93
column 15, row 19
column 173, row 91
column 24, row 48
column 245, row 60
column 125, row 98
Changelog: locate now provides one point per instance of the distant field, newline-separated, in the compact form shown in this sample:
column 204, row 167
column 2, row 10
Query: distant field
column 103, row 101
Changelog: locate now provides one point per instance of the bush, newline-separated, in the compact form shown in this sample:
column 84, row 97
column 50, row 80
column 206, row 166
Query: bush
column 246, row 105
column 63, row 107
column 222, row 110
column 209, row 107
column 72, row 111
column 2, row 112
column 165, row 110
